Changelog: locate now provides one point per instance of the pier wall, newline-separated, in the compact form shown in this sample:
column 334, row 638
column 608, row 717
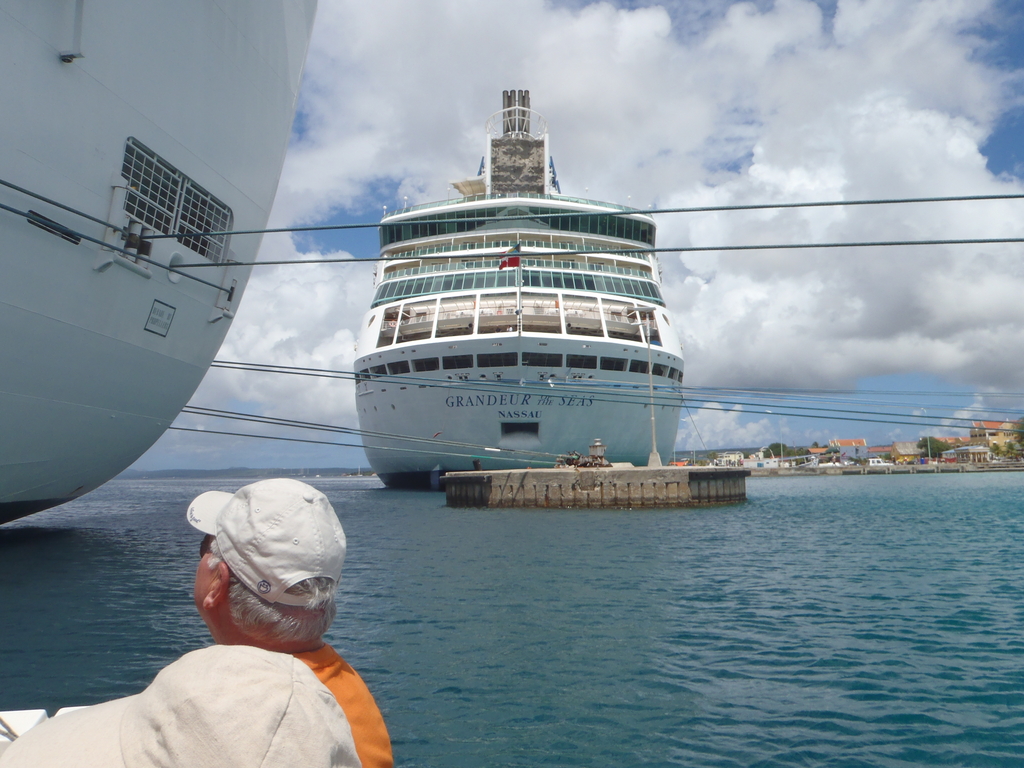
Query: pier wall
column 573, row 488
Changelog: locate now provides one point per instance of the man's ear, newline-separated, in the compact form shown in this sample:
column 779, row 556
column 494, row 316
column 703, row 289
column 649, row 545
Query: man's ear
column 218, row 591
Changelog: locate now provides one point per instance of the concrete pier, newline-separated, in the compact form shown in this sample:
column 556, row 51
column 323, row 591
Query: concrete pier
column 614, row 487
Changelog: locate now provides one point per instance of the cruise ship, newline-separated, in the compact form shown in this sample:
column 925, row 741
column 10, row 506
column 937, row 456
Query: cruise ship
column 124, row 121
column 514, row 325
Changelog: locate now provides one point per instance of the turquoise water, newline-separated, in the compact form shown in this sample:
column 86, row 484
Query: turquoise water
column 840, row 621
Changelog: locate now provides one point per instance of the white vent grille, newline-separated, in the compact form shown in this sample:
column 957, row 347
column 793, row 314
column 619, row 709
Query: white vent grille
column 162, row 198
column 202, row 212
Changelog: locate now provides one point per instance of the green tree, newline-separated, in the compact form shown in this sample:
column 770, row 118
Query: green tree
column 778, row 450
column 1018, row 438
column 930, row 446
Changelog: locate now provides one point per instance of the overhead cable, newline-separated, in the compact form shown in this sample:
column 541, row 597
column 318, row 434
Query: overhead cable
column 297, row 424
column 62, row 231
column 63, row 207
column 624, row 211
column 490, row 456
column 629, row 251
column 471, row 450
column 602, row 391
column 617, row 211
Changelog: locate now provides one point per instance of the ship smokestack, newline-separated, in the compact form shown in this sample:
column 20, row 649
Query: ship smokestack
column 515, row 107
column 517, row 157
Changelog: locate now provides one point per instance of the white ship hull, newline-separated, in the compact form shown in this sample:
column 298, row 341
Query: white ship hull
column 456, row 424
column 100, row 351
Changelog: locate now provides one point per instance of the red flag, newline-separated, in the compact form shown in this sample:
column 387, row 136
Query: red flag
column 509, row 261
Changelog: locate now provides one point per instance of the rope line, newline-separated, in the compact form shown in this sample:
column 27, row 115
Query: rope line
column 63, row 207
column 492, row 452
column 663, row 396
column 675, row 249
column 674, row 398
column 482, row 451
column 753, row 390
column 693, row 423
column 6, row 731
column 488, row 455
column 277, row 421
column 629, row 251
column 61, row 230
column 590, row 214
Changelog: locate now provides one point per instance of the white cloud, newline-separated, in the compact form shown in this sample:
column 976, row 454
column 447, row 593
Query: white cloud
column 304, row 317
column 715, row 425
column 746, row 103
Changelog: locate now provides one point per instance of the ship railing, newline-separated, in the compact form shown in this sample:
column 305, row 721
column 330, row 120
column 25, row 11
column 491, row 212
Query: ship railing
column 518, row 121
column 512, row 196
column 492, row 263
column 457, row 315
column 452, row 246
column 409, row 288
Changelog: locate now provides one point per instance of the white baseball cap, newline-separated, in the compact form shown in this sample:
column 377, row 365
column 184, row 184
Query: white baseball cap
column 223, row 705
column 273, row 534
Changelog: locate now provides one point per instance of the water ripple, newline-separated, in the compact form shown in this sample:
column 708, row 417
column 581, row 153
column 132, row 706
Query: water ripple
column 870, row 621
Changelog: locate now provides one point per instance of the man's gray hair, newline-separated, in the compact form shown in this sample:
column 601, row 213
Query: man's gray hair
column 276, row 621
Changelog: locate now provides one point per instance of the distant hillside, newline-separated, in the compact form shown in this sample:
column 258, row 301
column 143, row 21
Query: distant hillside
column 245, row 472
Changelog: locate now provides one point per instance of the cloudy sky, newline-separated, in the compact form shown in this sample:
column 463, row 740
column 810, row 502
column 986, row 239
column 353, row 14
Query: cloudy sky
column 673, row 104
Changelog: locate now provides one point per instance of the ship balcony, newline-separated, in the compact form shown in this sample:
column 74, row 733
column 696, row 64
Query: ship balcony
column 541, row 315
column 454, row 324
column 546, row 313
column 498, row 322
column 623, row 329
column 415, row 331
column 583, row 322
column 455, row 317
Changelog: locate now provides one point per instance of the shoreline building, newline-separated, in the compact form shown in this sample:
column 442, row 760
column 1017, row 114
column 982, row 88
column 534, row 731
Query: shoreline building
column 850, row 448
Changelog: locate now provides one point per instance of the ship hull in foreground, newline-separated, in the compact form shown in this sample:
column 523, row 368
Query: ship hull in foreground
column 125, row 119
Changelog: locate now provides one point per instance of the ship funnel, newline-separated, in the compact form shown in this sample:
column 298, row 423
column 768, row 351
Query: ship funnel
column 518, row 149
column 515, row 108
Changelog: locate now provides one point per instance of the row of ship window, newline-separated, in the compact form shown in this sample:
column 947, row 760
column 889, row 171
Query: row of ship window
column 511, row 360
column 532, row 278
column 454, row 222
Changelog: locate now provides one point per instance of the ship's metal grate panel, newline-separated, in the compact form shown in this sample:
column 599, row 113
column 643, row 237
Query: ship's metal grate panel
column 202, row 212
column 137, row 207
column 161, row 197
column 155, row 185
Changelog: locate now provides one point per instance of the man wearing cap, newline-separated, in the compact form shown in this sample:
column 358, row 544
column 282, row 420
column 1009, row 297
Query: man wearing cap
column 219, row 706
column 268, row 575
